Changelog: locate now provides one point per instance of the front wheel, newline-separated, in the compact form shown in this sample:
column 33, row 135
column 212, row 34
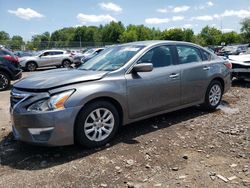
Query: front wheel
column 96, row 124
column 31, row 66
column 213, row 95
column 66, row 64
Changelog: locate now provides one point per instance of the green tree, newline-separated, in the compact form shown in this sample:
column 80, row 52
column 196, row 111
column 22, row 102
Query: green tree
column 34, row 44
column 197, row 39
column 4, row 36
column 16, row 42
column 128, row 36
column 45, row 40
column 173, row 34
column 87, row 35
column 111, row 32
column 188, row 35
column 155, row 34
column 245, row 30
column 63, row 37
column 231, row 38
column 211, row 35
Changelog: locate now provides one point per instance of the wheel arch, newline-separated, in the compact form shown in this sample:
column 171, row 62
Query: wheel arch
column 113, row 101
column 219, row 79
column 31, row 61
column 66, row 59
column 6, row 71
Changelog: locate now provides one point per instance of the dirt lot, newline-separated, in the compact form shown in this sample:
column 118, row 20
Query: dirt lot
column 187, row 148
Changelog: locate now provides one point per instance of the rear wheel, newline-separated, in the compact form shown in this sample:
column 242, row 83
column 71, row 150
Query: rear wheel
column 4, row 81
column 96, row 124
column 31, row 66
column 213, row 95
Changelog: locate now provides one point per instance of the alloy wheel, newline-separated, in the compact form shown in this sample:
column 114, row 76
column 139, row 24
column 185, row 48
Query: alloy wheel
column 31, row 66
column 3, row 81
column 99, row 124
column 215, row 95
column 66, row 64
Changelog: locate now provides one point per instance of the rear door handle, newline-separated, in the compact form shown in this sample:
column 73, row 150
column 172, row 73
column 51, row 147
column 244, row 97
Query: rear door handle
column 206, row 68
column 174, row 75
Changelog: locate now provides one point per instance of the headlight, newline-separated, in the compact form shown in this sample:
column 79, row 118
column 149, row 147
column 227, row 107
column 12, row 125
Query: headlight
column 55, row 102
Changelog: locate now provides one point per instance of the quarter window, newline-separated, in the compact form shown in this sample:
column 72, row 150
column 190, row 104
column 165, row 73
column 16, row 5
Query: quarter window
column 206, row 56
column 159, row 57
column 188, row 54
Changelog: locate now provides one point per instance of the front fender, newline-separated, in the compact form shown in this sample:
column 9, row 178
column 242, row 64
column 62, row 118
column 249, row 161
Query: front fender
column 103, row 88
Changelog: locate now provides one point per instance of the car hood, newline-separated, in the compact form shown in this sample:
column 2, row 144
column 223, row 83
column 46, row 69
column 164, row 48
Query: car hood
column 242, row 58
column 56, row 78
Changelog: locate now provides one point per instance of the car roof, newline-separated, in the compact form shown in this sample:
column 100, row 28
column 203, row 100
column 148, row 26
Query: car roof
column 155, row 42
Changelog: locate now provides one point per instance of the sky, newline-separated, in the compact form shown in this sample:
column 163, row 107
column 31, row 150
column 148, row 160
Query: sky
column 30, row 17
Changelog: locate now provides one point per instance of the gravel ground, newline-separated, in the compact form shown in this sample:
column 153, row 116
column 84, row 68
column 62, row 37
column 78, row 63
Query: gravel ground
column 186, row 148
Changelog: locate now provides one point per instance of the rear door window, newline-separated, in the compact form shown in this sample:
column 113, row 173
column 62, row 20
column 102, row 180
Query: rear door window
column 188, row 54
column 57, row 53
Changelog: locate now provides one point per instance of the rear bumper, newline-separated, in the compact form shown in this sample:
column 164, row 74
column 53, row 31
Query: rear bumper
column 227, row 83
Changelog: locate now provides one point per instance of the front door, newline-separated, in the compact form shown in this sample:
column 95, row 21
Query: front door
column 155, row 91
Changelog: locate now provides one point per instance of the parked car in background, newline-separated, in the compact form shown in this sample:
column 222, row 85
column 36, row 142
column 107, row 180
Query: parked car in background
column 123, row 84
column 81, row 58
column 232, row 50
column 23, row 54
column 9, row 68
column 240, row 65
column 47, row 58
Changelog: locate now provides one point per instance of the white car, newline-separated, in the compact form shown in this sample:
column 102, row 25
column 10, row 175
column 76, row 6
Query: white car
column 240, row 65
column 47, row 58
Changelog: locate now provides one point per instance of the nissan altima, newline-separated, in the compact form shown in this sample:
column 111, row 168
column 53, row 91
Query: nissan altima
column 121, row 85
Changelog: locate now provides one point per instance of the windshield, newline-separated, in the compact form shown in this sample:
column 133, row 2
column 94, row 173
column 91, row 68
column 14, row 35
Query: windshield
column 112, row 58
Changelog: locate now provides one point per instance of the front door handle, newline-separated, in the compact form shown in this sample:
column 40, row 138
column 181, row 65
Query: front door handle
column 206, row 68
column 174, row 75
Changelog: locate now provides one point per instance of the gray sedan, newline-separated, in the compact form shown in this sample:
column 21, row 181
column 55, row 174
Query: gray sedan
column 121, row 85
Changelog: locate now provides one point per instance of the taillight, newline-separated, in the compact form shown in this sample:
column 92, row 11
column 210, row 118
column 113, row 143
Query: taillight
column 10, row 58
column 228, row 64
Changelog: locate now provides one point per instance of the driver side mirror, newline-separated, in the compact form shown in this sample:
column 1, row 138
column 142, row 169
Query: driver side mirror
column 143, row 67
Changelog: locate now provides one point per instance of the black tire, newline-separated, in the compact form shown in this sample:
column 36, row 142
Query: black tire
column 4, row 81
column 81, row 136
column 66, row 63
column 31, row 66
column 208, row 105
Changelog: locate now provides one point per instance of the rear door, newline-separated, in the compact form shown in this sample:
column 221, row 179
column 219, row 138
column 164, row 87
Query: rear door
column 57, row 57
column 155, row 91
column 194, row 74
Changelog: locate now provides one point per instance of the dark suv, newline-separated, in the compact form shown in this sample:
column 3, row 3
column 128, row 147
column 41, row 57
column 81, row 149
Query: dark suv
column 9, row 68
